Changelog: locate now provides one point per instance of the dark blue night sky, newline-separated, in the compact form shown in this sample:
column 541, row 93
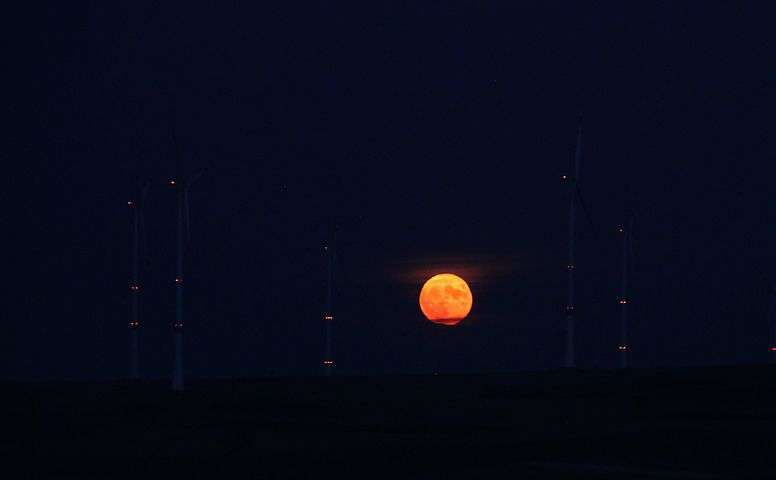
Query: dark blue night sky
column 434, row 135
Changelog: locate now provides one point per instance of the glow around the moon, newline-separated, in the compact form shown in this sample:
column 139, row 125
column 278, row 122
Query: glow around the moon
column 445, row 299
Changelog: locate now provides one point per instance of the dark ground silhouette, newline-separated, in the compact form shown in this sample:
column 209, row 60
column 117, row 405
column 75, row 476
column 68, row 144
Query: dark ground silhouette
column 715, row 422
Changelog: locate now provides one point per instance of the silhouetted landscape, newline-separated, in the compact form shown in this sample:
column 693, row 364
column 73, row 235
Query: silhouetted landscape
column 711, row 422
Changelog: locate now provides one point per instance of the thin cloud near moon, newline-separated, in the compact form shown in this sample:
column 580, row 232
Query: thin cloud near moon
column 474, row 268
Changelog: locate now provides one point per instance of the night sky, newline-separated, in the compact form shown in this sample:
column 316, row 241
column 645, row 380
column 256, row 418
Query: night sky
column 434, row 136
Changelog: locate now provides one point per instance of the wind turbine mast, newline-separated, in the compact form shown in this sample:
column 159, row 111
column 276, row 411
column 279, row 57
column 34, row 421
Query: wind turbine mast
column 623, row 348
column 328, row 315
column 177, row 326
column 182, row 187
column 181, row 184
column 571, row 265
column 137, row 204
column 772, row 320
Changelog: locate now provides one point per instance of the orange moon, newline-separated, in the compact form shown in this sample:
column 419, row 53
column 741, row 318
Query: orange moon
column 445, row 299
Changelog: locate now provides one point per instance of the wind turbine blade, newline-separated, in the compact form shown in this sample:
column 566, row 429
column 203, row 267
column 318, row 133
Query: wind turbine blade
column 188, row 214
column 143, row 232
column 172, row 125
column 586, row 211
column 143, row 239
column 196, row 177
column 578, row 152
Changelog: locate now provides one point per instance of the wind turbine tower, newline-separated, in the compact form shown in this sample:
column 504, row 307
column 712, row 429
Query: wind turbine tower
column 623, row 348
column 573, row 182
column 136, row 204
column 328, row 315
column 177, row 326
column 772, row 320
column 182, row 187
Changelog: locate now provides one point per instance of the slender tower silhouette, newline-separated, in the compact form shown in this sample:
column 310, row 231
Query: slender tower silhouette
column 624, row 348
column 181, row 184
column 573, row 182
column 137, row 205
column 772, row 320
column 328, row 315
column 182, row 187
column 177, row 326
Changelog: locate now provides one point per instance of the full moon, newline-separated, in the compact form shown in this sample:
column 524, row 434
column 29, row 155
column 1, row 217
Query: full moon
column 445, row 299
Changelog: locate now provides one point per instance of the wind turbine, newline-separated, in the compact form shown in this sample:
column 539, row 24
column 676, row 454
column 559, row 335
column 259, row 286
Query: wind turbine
column 623, row 348
column 137, row 205
column 772, row 320
column 181, row 184
column 573, row 182
column 328, row 314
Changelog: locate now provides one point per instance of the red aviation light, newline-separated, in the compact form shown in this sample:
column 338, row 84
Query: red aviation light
column 773, row 349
